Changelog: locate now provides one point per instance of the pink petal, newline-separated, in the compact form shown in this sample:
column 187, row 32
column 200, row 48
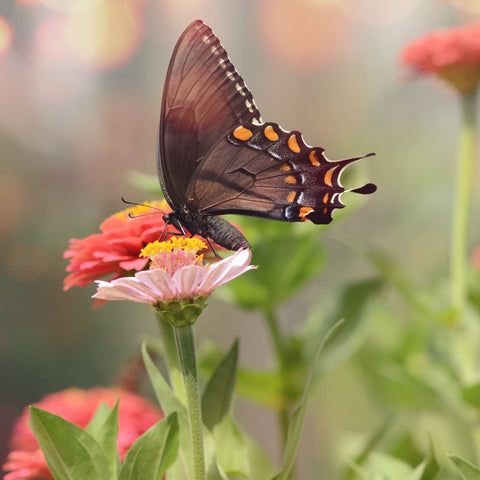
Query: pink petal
column 188, row 279
column 159, row 282
column 226, row 270
column 125, row 288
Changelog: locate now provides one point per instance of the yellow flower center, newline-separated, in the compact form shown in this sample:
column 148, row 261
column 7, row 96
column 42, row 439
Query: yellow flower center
column 176, row 253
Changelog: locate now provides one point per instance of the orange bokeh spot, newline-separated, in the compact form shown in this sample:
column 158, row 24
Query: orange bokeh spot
column 6, row 36
column 104, row 37
column 303, row 33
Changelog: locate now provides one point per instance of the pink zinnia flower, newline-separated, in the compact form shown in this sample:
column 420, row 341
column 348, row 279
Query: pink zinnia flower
column 176, row 273
column 453, row 54
column 136, row 416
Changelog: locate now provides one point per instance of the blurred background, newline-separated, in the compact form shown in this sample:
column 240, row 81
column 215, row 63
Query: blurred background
column 80, row 92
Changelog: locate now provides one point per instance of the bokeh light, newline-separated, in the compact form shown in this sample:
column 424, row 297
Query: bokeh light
column 374, row 12
column 6, row 36
column 103, row 37
column 304, row 34
column 71, row 6
column 51, row 47
column 182, row 6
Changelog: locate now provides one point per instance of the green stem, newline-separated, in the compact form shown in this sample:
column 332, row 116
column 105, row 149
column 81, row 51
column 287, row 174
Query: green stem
column 171, row 357
column 279, row 346
column 463, row 195
column 185, row 341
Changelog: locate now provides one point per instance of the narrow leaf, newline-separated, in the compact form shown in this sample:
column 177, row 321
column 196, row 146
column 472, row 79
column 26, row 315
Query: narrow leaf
column 152, row 453
column 417, row 474
column 71, row 453
column 298, row 417
column 467, row 470
column 217, row 397
column 103, row 427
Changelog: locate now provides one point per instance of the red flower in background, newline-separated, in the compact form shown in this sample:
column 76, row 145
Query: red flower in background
column 116, row 250
column 453, row 54
column 136, row 415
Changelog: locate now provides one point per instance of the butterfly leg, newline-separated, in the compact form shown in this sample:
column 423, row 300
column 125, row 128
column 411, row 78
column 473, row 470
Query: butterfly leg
column 212, row 246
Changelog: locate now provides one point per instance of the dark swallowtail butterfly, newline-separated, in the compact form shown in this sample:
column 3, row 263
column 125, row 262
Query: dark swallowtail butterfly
column 216, row 155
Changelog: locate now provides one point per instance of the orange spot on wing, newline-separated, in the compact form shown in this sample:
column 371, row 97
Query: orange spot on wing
column 325, row 210
column 313, row 158
column 293, row 144
column 285, row 167
column 242, row 133
column 325, row 198
column 328, row 177
column 290, row 179
column 270, row 133
column 304, row 211
column 291, row 196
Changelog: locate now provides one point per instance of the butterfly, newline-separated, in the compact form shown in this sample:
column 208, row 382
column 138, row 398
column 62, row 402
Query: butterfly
column 217, row 156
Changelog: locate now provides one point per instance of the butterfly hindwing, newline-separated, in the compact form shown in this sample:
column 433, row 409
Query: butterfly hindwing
column 262, row 170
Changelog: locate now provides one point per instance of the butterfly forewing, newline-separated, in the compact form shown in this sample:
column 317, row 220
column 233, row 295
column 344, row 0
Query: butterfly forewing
column 203, row 98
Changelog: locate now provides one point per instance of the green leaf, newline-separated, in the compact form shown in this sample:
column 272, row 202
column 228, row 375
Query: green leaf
column 214, row 471
column 170, row 403
column 370, row 444
column 294, row 433
column 152, row 453
column 348, row 338
column 395, row 274
column 280, row 275
column 467, row 470
column 263, row 387
column 261, row 465
column 471, row 395
column 71, row 453
column 217, row 397
column 103, row 427
column 295, row 426
column 231, row 449
column 383, row 466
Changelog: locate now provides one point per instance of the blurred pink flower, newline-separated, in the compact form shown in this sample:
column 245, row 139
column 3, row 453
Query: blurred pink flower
column 176, row 273
column 136, row 415
column 453, row 54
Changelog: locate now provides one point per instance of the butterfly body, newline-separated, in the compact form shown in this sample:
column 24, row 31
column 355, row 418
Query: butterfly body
column 217, row 156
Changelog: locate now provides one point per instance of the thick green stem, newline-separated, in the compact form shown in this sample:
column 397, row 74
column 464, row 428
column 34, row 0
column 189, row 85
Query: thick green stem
column 461, row 213
column 185, row 341
column 171, row 357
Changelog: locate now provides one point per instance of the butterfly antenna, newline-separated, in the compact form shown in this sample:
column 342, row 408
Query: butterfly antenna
column 142, row 205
